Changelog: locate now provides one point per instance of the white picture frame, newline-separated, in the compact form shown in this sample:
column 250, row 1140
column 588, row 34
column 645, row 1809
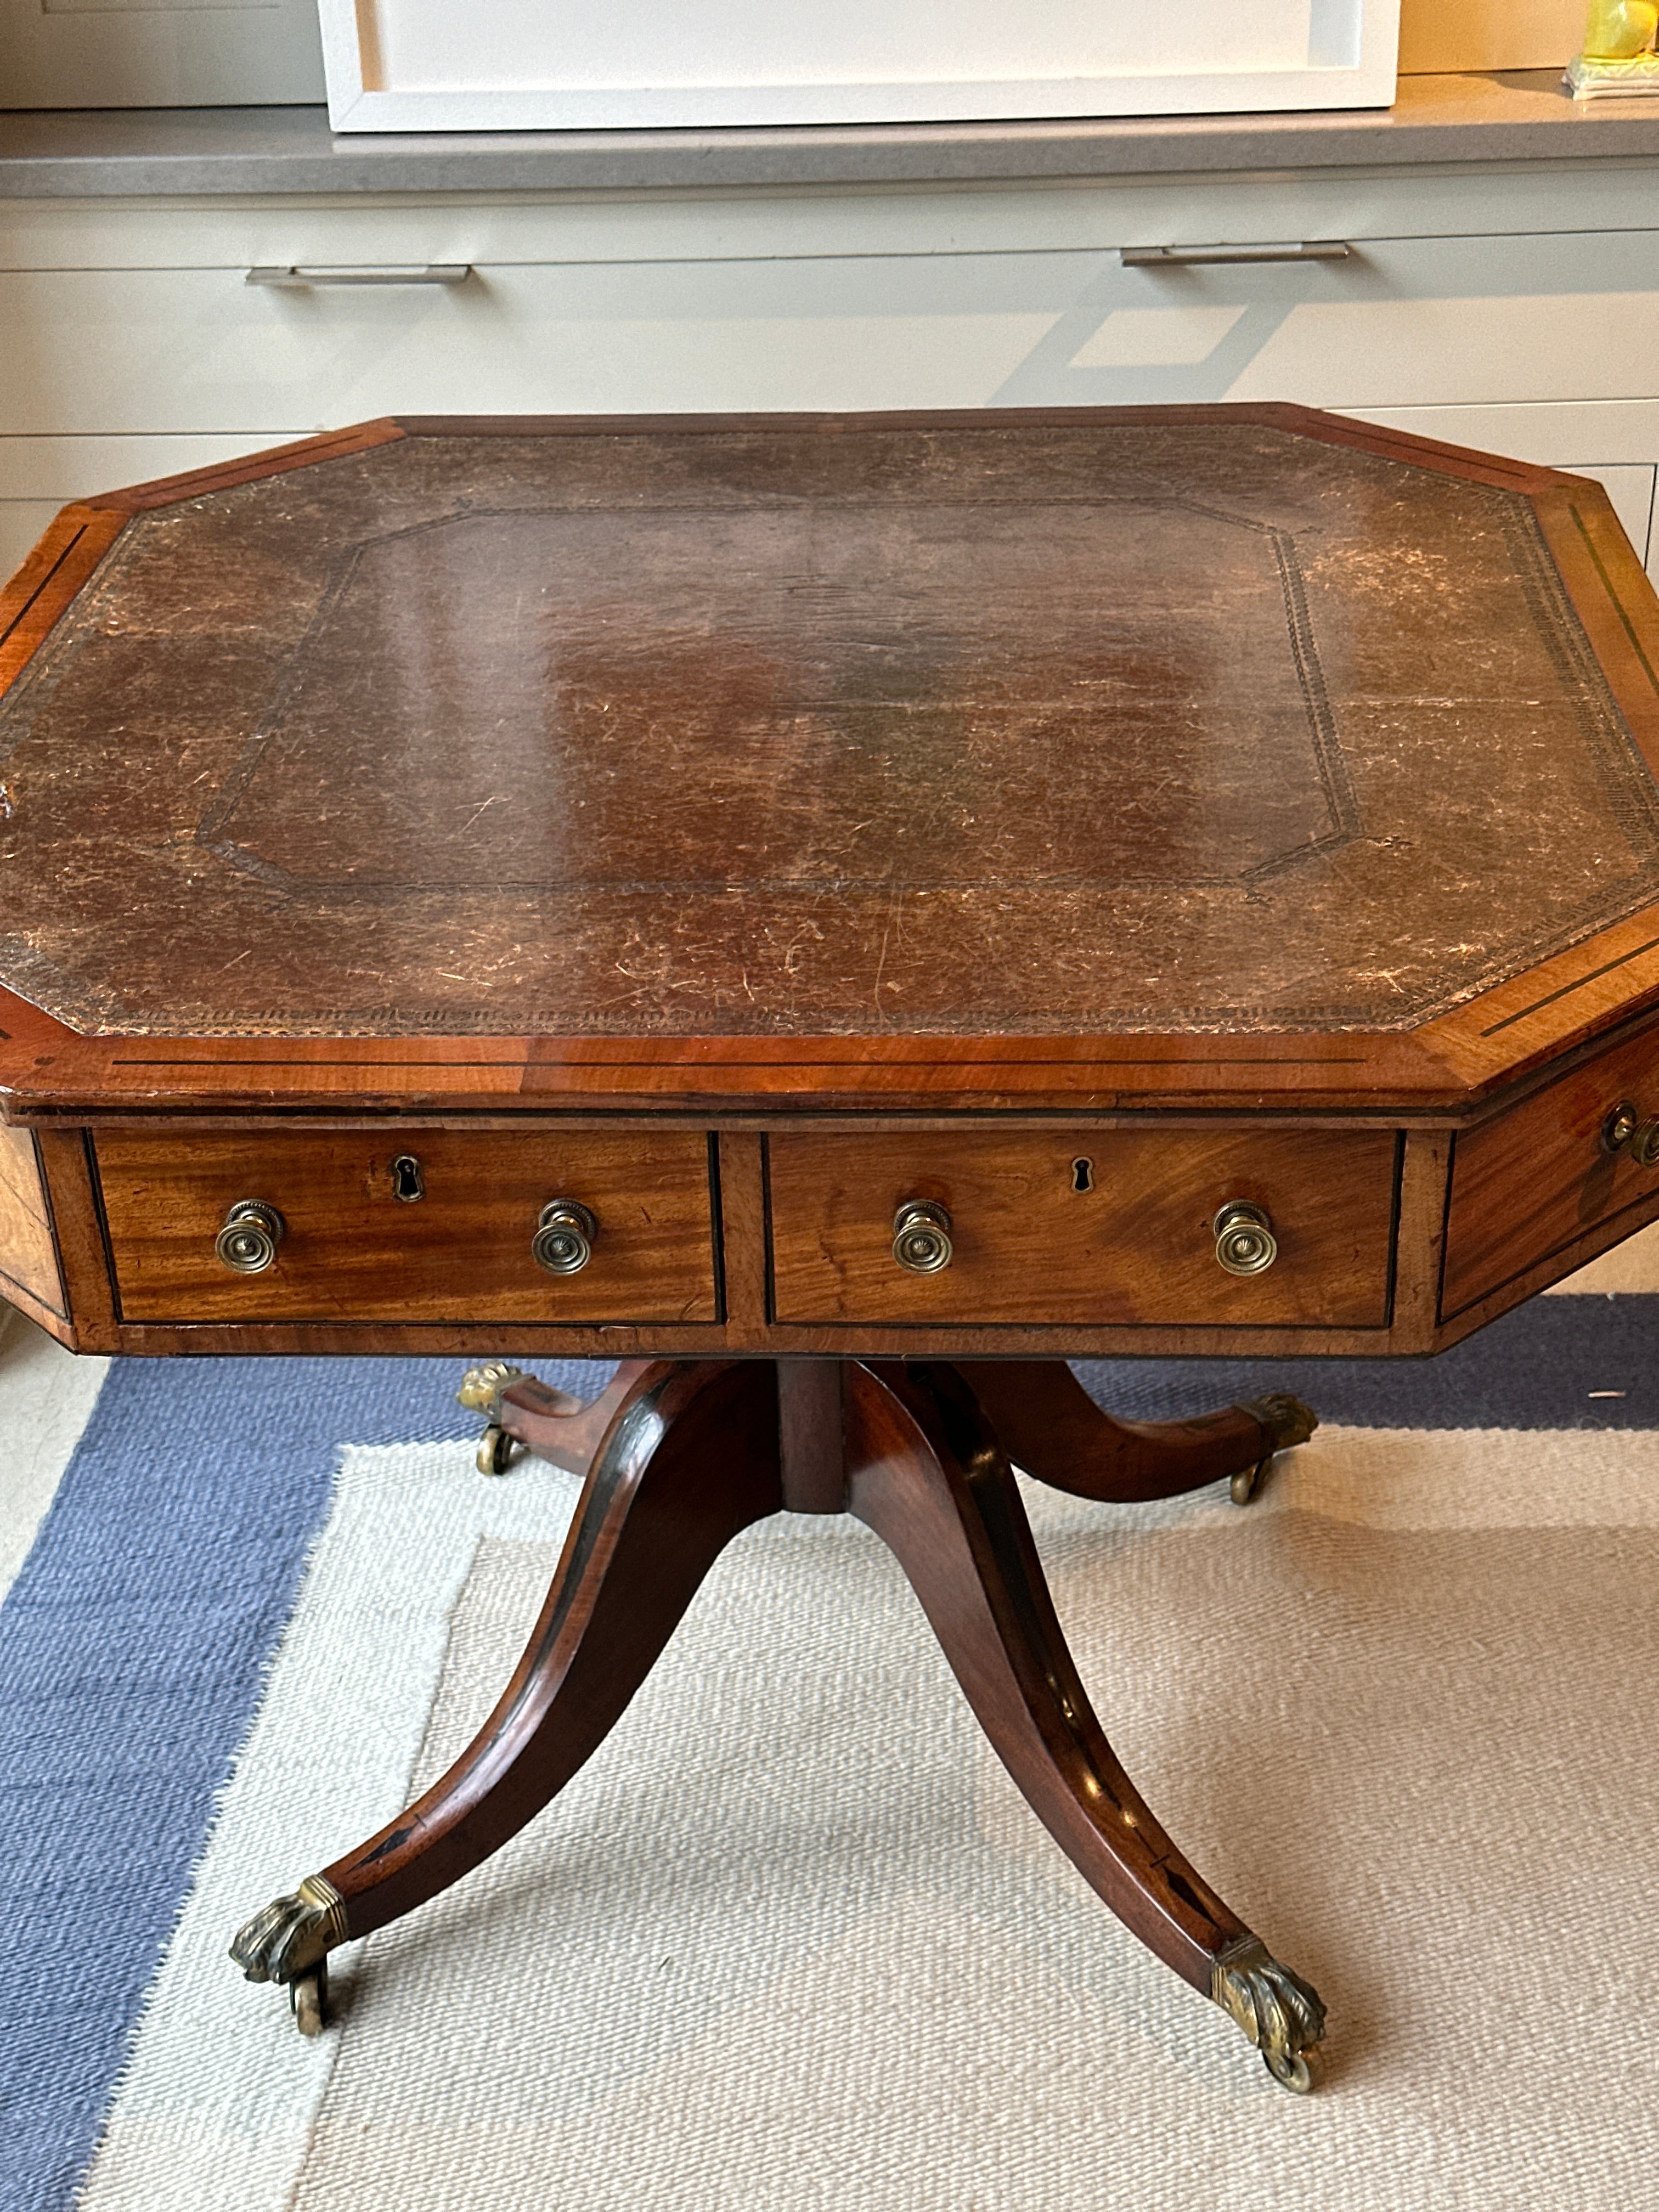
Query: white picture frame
column 677, row 64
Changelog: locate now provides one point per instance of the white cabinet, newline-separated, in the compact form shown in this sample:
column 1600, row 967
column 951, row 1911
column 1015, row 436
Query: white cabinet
column 177, row 351
column 1412, row 322
column 1518, row 310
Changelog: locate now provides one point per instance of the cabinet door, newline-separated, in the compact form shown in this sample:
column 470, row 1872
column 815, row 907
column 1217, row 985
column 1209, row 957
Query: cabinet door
column 148, row 53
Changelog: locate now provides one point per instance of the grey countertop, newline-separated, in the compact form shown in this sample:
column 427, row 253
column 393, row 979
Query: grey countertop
column 1436, row 121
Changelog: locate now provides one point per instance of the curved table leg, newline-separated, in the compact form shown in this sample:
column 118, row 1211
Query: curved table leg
column 550, row 1424
column 1049, row 1424
column 927, row 1474
column 689, row 1460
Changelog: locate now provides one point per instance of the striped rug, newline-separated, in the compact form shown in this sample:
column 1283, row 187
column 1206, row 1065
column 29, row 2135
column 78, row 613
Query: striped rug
column 792, row 1940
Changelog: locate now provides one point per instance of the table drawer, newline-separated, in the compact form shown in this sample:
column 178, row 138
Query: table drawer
column 1107, row 1228
column 1534, row 1181
column 353, row 1251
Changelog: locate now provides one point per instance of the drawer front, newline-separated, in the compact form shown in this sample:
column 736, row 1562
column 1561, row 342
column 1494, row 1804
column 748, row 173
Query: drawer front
column 180, row 351
column 1408, row 321
column 1136, row 1245
column 1534, row 1181
column 1446, row 321
column 352, row 1250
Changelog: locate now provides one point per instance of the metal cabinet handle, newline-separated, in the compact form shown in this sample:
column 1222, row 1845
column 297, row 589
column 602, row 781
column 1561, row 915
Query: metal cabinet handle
column 921, row 1237
column 1244, row 1240
column 298, row 279
column 1624, row 1131
column 1207, row 256
column 563, row 1241
column 247, row 1243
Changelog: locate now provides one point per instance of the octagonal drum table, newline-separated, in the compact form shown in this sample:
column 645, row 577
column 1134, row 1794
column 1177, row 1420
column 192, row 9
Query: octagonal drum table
column 838, row 914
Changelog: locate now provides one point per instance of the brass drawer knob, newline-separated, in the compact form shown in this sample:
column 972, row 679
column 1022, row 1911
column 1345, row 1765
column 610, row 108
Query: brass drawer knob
column 1244, row 1240
column 563, row 1241
column 1624, row 1131
column 921, row 1236
column 247, row 1243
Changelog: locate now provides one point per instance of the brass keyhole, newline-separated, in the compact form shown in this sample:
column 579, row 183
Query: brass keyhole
column 1083, row 1173
column 408, row 1184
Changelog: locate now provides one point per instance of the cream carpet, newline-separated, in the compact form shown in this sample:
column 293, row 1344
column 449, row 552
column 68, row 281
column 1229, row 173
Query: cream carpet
column 792, row 1940
column 45, row 1398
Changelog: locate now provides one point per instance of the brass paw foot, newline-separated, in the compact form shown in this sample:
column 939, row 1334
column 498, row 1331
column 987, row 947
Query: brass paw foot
column 481, row 1392
column 1280, row 2013
column 1288, row 1422
column 289, row 1940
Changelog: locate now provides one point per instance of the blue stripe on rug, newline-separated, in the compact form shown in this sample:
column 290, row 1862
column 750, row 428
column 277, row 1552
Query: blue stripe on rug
column 133, row 1647
column 1542, row 1366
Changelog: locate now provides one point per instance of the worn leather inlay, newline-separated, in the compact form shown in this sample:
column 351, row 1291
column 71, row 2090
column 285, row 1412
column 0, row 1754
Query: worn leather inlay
column 1045, row 728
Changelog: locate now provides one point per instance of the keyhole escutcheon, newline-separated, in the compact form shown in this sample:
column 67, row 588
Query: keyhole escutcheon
column 1083, row 1173
column 408, row 1184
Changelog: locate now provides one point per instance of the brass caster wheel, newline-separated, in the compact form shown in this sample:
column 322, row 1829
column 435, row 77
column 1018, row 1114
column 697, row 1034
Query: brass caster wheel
column 1248, row 1481
column 495, row 1451
column 481, row 1392
column 1288, row 1422
column 1301, row 2072
column 1280, row 2012
column 308, row 1998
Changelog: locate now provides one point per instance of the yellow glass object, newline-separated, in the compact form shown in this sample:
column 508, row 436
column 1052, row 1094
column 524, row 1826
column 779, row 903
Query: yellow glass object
column 1618, row 30
column 1618, row 58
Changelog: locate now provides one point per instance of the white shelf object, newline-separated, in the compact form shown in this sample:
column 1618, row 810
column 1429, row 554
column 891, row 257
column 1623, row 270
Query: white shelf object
column 653, row 64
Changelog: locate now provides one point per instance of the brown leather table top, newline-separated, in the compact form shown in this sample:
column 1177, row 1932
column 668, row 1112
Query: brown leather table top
column 990, row 725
